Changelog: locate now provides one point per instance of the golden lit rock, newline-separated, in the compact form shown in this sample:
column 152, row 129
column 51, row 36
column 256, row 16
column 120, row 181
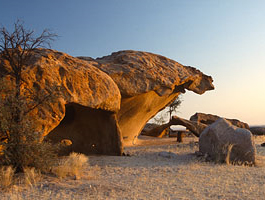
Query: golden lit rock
column 148, row 83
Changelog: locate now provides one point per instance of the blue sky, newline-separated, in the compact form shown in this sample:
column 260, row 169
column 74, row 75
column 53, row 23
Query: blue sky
column 224, row 39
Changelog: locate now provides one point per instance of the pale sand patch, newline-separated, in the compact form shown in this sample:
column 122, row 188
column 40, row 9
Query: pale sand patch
column 166, row 170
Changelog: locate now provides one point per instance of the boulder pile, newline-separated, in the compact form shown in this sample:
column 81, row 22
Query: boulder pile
column 83, row 109
column 102, row 104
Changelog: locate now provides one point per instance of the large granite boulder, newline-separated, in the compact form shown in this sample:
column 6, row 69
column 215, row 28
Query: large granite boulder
column 83, row 109
column 148, row 83
column 222, row 141
column 209, row 119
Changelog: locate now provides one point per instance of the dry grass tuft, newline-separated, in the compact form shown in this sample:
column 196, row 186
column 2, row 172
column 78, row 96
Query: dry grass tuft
column 227, row 151
column 223, row 155
column 6, row 177
column 72, row 165
column 31, row 176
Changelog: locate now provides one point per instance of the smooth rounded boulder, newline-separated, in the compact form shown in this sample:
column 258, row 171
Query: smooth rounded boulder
column 222, row 141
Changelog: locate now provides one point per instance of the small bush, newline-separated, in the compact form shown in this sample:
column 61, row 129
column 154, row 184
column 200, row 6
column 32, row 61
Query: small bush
column 6, row 176
column 28, row 152
column 20, row 145
column 72, row 165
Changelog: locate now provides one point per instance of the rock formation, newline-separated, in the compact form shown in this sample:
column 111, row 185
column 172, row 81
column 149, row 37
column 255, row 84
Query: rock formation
column 195, row 127
column 155, row 130
column 222, row 141
column 83, row 110
column 104, row 103
column 257, row 130
column 209, row 119
column 148, row 83
column 159, row 130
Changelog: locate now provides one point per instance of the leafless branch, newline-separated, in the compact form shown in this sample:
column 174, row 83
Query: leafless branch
column 16, row 48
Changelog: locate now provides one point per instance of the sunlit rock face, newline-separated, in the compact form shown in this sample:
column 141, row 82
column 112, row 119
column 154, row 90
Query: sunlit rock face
column 148, row 83
column 83, row 109
column 101, row 104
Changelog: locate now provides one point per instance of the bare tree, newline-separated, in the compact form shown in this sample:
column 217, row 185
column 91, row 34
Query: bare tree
column 173, row 107
column 16, row 49
column 162, row 116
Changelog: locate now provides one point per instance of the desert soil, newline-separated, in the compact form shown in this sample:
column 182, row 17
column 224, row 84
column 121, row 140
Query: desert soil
column 156, row 169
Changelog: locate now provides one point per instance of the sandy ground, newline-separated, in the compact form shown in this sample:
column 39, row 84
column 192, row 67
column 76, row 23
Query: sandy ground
column 155, row 169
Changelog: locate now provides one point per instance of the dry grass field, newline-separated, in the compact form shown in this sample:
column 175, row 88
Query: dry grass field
column 155, row 169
